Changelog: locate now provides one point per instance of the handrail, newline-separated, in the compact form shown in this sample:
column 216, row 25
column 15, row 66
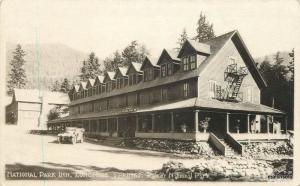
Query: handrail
column 217, row 143
column 234, row 143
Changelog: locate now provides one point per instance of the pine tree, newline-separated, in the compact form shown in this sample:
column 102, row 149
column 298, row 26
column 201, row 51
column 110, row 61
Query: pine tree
column 90, row 68
column 17, row 75
column 65, row 86
column 204, row 29
column 112, row 63
column 183, row 37
column 134, row 52
column 291, row 65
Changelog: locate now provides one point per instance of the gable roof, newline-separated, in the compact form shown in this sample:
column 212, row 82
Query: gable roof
column 245, row 54
column 122, row 71
column 216, row 45
column 202, row 48
column 82, row 85
column 99, row 79
column 136, row 66
column 150, row 60
column 172, row 54
column 90, row 83
column 38, row 96
column 110, row 75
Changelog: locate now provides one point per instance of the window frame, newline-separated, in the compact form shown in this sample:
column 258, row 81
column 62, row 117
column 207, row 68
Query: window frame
column 163, row 70
column 169, row 69
column 193, row 61
column 185, row 64
column 185, row 89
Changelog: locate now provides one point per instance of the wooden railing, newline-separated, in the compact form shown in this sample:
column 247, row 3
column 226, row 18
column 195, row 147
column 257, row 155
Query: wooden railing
column 234, row 143
column 216, row 143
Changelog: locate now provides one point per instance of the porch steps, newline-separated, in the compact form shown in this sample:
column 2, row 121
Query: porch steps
column 229, row 151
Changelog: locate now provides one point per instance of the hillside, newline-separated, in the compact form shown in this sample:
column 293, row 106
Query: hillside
column 54, row 62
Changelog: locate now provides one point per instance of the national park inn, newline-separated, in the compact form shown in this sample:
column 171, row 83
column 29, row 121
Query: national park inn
column 204, row 91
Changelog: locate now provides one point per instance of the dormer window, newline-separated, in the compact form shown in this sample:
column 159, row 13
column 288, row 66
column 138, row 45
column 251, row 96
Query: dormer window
column 120, row 83
column 193, row 62
column 148, row 76
column 109, row 86
column 133, row 79
column 163, row 70
column 170, row 69
column 185, row 63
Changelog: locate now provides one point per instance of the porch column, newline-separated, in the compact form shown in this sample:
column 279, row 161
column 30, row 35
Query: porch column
column 117, row 124
column 227, row 122
column 98, row 125
column 285, row 124
column 196, row 121
column 268, row 124
column 248, row 123
column 137, row 123
column 172, row 121
column 107, row 125
column 153, row 122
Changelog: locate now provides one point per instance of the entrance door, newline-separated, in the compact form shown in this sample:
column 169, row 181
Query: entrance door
column 217, row 124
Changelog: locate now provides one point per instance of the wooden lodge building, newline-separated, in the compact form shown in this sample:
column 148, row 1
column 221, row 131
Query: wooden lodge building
column 204, row 91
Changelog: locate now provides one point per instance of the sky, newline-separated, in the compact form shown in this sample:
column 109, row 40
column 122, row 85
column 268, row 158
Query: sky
column 104, row 26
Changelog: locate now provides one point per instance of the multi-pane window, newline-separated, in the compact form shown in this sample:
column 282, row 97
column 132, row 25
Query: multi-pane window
column 163, row 70
column 120, row 83
column 108, row 86
column 133, row 79
column 214, row 89
column 94, row 90
column 103, row 88
column 164, row 94
column 170, row 69
column 185, row 90
column 148, row 74
column 192, row 62
column 185, row 64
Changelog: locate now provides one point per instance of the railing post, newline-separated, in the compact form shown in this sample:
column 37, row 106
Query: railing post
column 268, row 124
column 106, row 124
column 153, row 122
column 137, row 123
column 117, row 119
column 172, row 121
column 227, row 122
column 248, row 123
column 286, row 123
column 196, row 121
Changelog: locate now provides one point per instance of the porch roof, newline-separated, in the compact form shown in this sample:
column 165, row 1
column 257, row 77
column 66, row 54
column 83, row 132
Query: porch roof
column 202, row 104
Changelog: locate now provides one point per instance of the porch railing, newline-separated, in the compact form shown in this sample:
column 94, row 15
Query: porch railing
column 234, row 143
column 214, row 140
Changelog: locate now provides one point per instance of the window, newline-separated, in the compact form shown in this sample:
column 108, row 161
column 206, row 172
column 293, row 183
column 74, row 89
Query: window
column 108, row 86
column 212, row 88
column 170, row 69
column 164, row 94
column 185, row 64
column 94, row 90
column 192, row 62
column 103, row 88
column 232, row 60
column 163, row 70
column 82, row 94
column 185, row 90
column 148, row 74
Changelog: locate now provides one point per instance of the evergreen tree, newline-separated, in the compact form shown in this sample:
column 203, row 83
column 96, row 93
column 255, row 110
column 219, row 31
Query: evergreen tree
column 204, row 29
column 17, row 75
column 90, row 68
column 134, row 52
column 183, row 37
column 291, row 65
column 65, row 86
column 112, row 63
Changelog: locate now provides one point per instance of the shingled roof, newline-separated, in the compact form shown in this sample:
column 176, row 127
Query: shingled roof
column 37, row 96
column 216, row 44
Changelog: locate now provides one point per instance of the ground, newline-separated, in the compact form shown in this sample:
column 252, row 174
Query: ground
column 25, row 151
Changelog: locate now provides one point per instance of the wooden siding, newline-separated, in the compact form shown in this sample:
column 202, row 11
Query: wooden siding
column 215, row 71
